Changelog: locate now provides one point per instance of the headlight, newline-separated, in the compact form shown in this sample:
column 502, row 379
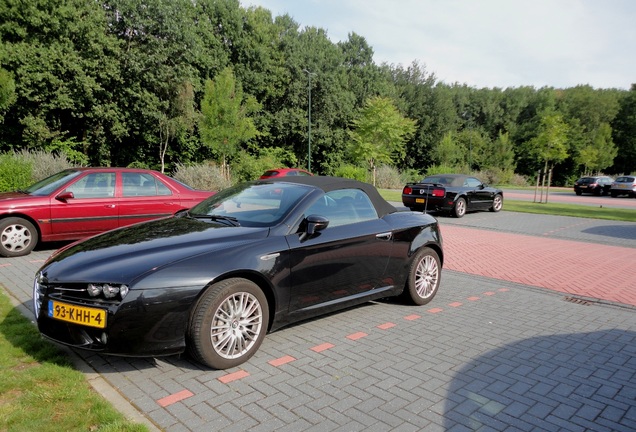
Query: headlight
column 109, row 291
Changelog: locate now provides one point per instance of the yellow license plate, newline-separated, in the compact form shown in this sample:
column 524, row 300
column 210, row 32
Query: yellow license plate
column 77, row 314
column 420, row 200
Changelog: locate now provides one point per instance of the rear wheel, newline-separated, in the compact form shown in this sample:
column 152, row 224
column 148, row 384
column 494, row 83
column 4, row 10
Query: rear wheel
column 424, row 277
column 613, row 194
column 18, row 237
column 460, row 208
column 578, row 192
column 229, row 323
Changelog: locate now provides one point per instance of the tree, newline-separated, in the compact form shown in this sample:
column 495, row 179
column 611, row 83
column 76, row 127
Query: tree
column 600, row 153
column 624, row 126
column 64, row 65
column 379, row 133
column 449, row 152
column 225, row 122
column 550, row 145
column 7, row 91
column 180, row 117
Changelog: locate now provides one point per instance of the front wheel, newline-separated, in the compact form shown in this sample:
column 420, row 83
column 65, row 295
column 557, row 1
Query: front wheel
column 497, row 203
column 228, row 324
column 424, row 277
column 460, row 208
column 18, row 237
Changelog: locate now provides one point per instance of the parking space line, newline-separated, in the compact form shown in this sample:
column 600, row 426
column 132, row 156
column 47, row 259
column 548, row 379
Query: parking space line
column 174, row 398
column 282, row 360
column 322, row 347
column 356, row 336
column 386, row 326
column 233, row 376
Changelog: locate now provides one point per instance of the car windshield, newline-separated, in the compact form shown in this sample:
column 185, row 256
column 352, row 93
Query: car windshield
column 252, row 204
column 52, row 183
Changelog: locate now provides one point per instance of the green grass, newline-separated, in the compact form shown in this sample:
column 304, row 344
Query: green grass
column 617, row 214
column 39, row 388
column 557, row 209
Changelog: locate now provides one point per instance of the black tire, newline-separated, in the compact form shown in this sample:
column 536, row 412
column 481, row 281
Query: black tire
column 578, row 192
column 18, row 237
column 238, row 309
column 497, row 203
column 424, row 277
column 459, row 210
column 613, row 194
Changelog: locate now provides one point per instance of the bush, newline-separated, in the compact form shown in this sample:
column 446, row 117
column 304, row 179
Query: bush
column 15, row 173
column 351, row 172
column 410, row 176
column 44, row 164
column 494, row 176
column 19, row 170
column 206, row 176
column 387, row 177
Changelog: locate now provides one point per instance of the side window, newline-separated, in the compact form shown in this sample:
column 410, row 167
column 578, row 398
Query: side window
column 344, row 207
column 472, row 182
column 94, row 185
column 142, row 184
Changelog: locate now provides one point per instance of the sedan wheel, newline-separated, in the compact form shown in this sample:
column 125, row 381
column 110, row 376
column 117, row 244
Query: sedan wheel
column 424, row 277
column 229, row 323
column 460, row 208
column 497, row 203
column 18, row 237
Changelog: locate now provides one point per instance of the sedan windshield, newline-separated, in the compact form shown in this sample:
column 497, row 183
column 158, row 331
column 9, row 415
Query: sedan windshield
column 52, row 183
column 252, row 204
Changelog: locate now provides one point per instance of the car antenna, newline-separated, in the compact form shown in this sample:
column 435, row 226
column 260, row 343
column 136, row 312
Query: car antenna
column 428, row 195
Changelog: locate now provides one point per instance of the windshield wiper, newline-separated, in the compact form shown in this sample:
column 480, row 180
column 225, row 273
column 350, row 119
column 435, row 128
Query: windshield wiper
column 232, row 221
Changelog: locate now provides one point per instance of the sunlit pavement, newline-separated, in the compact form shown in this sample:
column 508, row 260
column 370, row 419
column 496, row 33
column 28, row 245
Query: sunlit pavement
column 534, row 328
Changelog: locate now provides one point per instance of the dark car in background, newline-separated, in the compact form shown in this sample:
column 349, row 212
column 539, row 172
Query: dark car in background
column 213, row 280
column 80, row 202
column 452, row 193
column 597, row 185
column 624, row 185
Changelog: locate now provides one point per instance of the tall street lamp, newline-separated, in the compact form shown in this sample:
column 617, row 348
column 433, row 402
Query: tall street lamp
column 309, row 74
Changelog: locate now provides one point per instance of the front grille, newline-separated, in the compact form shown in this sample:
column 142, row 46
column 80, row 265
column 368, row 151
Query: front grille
column 73, row 292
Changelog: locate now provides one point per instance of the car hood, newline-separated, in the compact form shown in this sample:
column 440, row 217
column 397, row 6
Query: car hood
column 10, row 198
column 122, row 255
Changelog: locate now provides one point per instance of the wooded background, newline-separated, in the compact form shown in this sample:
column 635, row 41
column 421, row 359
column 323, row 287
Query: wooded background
column 157, row 83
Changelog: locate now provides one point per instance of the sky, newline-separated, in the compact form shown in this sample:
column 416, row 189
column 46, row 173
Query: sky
column 487, row 43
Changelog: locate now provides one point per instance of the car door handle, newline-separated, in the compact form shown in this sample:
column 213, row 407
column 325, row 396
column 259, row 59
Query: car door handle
column 111, row 206
column 384, row 236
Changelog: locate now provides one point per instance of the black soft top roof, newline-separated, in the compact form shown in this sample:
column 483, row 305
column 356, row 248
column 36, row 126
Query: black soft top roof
column 327, row 184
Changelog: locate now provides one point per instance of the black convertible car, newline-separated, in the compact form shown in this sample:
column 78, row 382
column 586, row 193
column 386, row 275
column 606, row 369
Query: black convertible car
column 452, row 193
column 253, row 258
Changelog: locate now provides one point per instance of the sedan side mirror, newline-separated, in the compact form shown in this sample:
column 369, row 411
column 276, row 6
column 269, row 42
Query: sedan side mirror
column 64, row 196
column 315, row 223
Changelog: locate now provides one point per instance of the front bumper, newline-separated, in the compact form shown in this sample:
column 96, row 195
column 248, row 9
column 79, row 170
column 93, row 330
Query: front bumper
column 146, row 323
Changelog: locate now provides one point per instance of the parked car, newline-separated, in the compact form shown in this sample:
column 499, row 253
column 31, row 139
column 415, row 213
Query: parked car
column 451, row 193
column 253, row 258
column 624, row 185
column 597, row 185
column 284, row 172
column 80, row 202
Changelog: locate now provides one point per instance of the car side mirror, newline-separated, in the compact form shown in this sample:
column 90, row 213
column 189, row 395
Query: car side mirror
column 64, row 196
column 315, row 223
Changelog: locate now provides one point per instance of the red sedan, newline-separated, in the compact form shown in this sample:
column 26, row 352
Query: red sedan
column 81, row 202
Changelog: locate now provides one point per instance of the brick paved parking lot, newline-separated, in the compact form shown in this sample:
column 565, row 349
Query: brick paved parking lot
column 486, row 354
